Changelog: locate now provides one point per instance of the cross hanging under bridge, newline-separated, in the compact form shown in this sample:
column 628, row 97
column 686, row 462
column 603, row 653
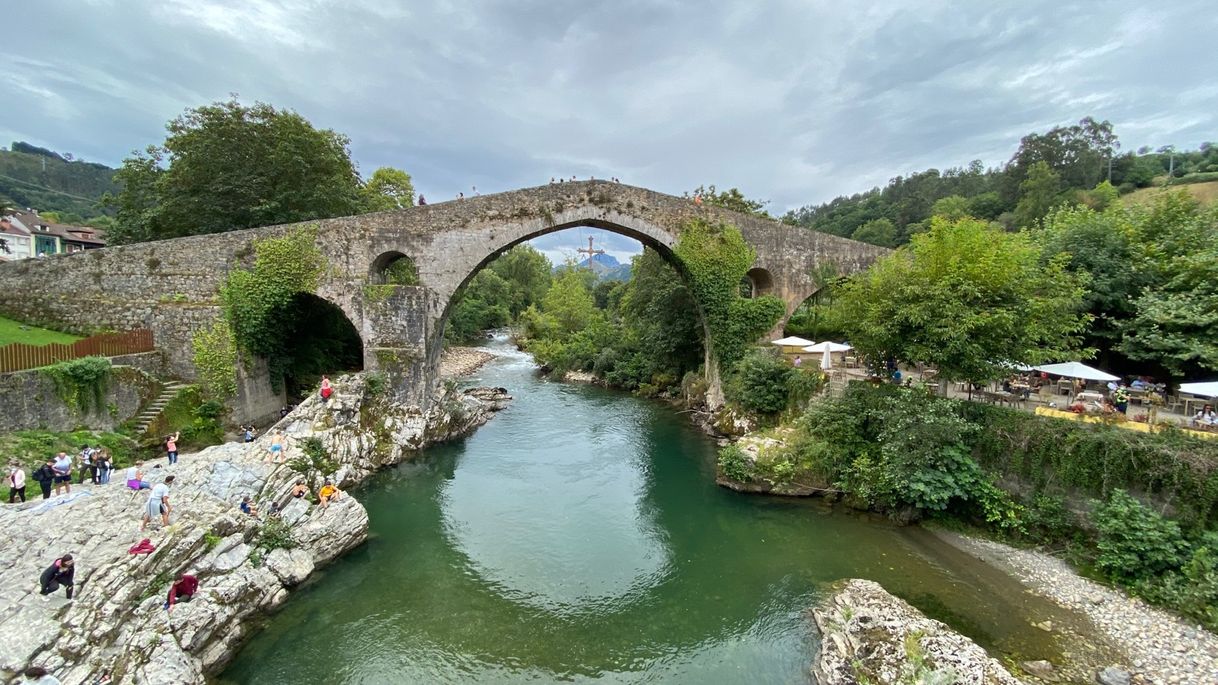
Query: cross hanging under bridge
column 591, row 252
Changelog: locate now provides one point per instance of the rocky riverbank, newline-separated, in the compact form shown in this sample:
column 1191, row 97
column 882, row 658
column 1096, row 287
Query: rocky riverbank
column 462, row 361
column 1161, row 649
column 116, row 623
column 870, row 636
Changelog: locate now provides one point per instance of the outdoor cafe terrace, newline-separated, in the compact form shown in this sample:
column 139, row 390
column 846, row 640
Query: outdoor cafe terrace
column 1052, row 389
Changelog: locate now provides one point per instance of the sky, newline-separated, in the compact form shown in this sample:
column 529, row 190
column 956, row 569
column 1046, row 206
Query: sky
column 792, row 101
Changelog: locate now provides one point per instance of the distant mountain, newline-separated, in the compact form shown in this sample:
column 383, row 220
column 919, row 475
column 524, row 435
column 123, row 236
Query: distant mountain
column 605, row 266
column 45, row 180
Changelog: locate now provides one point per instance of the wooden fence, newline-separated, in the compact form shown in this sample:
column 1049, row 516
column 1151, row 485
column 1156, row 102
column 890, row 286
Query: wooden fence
column 18, row 356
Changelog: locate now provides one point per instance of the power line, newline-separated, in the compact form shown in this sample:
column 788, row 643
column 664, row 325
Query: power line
column 52, row 190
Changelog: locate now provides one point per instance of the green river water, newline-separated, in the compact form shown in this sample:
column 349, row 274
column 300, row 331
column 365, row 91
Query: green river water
column 579, row 537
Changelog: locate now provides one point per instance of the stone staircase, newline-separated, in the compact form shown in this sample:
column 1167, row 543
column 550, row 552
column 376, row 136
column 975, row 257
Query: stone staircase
column 156, row 406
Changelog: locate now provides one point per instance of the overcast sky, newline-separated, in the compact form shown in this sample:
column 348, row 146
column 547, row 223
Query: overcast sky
column 793, row 102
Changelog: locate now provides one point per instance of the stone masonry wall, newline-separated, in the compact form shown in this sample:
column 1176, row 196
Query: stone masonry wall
column 31, row 402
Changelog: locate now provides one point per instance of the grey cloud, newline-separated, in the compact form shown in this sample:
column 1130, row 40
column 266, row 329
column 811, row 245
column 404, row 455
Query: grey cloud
column 791, row 101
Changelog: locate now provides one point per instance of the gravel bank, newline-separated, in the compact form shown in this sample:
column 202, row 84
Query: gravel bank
column 462, row 361
column 1162, row 649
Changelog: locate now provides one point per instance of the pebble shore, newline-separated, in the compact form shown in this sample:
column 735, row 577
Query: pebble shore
column 1163, row 649
column 462, row 361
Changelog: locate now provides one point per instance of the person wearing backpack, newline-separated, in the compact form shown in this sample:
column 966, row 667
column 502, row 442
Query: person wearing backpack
column 45, row 476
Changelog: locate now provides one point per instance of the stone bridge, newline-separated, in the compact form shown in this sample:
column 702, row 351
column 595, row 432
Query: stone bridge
column 171, row 286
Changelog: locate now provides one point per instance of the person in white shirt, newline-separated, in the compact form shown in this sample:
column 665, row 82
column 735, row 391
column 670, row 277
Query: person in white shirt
column 158, row 504
column 16, row 482
column 135, row 477
column 1205, row 417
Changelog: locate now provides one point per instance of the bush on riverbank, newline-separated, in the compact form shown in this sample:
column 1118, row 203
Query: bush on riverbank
column 906, row 451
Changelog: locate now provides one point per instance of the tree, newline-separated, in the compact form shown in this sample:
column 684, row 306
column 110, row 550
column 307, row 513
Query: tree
column 226, row 166
column 387, row 189
column 966, row 298
column 1176, row 319
column 528, row 272
column 1038, row 194
column 1104, row 248
column 731, row 199
column 877, row 232
column 952, row 208
column 1079, row 154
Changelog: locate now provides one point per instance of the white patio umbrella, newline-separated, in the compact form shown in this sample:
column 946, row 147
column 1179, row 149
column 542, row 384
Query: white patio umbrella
column 827, row 347
column 1207, row 389
column 792, row 341
column 1076, row 370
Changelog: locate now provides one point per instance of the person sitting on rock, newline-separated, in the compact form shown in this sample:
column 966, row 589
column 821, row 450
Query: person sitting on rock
column 328, row 492
column 182, row 590
column 326, row 390
column 248, row 507
column 299, row 490
column 57, row 574
column 135, row 477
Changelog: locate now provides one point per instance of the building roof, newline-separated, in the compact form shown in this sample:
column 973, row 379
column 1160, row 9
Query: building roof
column 12, row 227
column 34, row 224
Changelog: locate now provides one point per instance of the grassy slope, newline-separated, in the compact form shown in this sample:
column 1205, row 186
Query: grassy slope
column 1207, row 193
column 12, row 332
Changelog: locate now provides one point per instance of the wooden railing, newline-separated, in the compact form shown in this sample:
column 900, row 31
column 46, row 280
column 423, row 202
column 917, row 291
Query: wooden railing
column 18, row 356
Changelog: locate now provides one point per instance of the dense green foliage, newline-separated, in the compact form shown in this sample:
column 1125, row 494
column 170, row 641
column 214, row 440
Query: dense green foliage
column 496, row 296
column 36, row 177
column 1151, row 271
column 967, row 299
column 388, row 188
column 228, row 166
column 642, row 335
column 215, row 358
column 81, row 383
column 765, row 384
column 1076, row 165
column 716, row 259
column 904, row 449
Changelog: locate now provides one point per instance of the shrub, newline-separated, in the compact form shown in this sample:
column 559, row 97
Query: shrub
column 761, row 383
column 1134, row 542
column 81, row 383
column 275, row 534
column 1193, row 590
column 1046, row 519
column 735, row 464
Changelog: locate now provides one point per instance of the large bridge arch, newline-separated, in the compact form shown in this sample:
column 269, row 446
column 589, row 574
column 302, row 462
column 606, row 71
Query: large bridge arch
column 172, row 286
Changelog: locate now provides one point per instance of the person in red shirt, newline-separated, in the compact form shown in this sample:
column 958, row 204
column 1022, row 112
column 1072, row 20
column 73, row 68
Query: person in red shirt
column 326, row 390
column 182, row 590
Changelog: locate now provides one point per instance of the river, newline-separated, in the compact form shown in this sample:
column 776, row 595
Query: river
column 579, row 537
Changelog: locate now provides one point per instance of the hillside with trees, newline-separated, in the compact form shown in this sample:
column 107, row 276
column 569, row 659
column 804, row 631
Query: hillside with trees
column 1077, row 165
column 49, row 181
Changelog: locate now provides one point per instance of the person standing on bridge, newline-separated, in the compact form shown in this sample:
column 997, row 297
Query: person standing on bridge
column 422, row 200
